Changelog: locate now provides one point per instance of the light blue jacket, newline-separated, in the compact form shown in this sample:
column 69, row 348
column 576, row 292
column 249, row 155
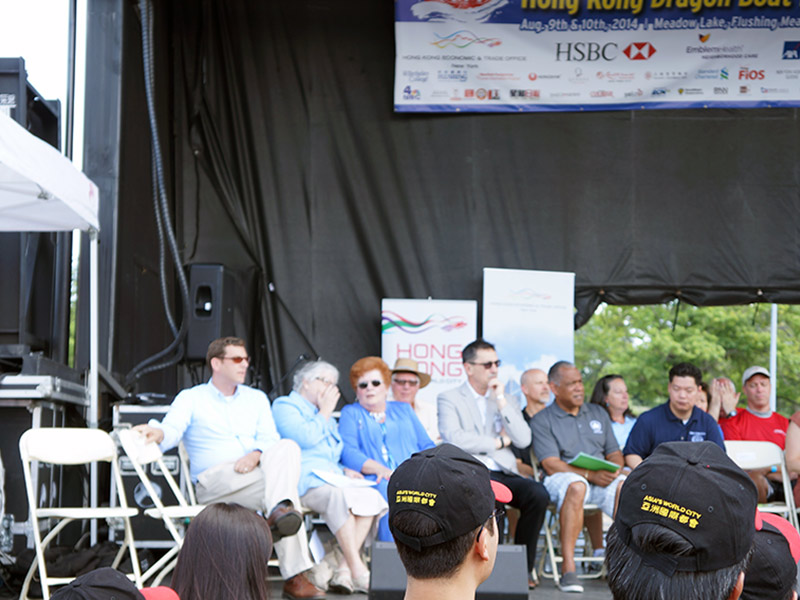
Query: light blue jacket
column 299, row 420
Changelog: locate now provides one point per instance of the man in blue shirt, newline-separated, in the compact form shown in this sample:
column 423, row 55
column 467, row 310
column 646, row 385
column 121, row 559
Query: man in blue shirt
column 237, row 455
column 674, row 421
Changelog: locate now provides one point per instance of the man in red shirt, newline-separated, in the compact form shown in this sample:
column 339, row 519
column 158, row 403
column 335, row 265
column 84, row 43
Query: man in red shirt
column 758, row 422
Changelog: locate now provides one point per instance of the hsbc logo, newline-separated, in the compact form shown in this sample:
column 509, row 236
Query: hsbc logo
column 586, row 51
column 751, row 74
column 639, row 50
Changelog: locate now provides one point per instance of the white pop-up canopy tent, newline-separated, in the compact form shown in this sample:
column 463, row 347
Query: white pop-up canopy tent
column 41, row 190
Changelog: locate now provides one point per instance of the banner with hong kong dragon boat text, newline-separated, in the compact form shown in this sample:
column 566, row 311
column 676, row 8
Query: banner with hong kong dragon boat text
column 431, row 332
column 561, row 55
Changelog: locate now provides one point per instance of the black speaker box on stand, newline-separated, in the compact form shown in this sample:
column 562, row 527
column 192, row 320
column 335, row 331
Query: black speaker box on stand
column 211, row 300
column 508, row 580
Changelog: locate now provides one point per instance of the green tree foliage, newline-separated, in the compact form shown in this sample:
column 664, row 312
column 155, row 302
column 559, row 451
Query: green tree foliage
column 641, row 343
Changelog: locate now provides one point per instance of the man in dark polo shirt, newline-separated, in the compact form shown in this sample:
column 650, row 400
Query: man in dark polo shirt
column 677, row 420
column 560, row 432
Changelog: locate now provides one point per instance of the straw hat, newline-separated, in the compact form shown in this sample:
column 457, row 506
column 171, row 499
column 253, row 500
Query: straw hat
column 409, row 365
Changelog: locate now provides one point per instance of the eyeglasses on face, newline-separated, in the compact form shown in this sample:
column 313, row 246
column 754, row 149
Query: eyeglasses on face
column 487, row 365
column 365, row 384
column 406, row 382
column 236, row 359
column 323, row 380
column 497, row 513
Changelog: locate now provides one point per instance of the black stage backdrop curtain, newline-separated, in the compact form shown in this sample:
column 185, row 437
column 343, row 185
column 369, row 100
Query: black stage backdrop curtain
column 293, row 170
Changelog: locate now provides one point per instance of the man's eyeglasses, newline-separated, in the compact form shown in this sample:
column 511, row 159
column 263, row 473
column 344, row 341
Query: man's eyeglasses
column 323, row 380
column 487, row 365
column 497, row 513
column 364, row 384
column 236, row 359
column 406, row 382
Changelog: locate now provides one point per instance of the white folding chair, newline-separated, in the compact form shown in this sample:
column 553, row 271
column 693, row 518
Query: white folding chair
column 763, row 455
column 174, row 517
column 71, row 446
column 552, row 541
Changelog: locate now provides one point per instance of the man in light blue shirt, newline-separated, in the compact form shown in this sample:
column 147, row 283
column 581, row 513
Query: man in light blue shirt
column 237, row 455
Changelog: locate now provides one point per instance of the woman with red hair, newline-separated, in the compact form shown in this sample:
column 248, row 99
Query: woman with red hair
column 378, row 435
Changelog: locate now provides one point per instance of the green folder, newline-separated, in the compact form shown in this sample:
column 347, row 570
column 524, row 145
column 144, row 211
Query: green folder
column 592, row 463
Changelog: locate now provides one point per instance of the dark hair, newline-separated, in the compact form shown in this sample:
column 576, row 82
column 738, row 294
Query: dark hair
column 707, row 389
column 554, row 374
column 630, row 578
column 471, row 350
column 686, row 369
column 370, row 363
column 433, row 562
column 224, row 556
column 600, row 393
column 216, row 349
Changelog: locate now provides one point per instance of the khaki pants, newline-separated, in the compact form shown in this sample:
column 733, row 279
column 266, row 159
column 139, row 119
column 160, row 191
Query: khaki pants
column 261, row 489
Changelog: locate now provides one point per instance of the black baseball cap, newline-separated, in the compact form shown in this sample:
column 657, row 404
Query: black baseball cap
column 448, row 485
column 697, row 491
column 772, row 573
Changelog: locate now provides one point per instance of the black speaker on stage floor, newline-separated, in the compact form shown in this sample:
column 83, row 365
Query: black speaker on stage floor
column 211, row 300
column 508, row 580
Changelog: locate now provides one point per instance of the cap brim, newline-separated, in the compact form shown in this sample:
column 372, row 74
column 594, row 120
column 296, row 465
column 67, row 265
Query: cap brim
column 501, row 492
column 159, row 593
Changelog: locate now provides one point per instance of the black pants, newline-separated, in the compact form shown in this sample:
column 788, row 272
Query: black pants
column 531, row 499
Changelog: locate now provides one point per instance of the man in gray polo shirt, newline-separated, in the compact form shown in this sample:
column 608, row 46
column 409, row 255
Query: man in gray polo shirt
column 560, row 432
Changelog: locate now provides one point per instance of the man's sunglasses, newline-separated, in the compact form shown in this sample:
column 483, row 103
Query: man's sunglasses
column 487, row 365
column 236, row 359
column 364, row 384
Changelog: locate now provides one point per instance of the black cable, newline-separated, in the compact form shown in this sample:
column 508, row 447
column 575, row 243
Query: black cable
column 175, row 349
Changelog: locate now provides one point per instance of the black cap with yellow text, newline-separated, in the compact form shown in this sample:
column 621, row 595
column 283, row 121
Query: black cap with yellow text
column 448, row 485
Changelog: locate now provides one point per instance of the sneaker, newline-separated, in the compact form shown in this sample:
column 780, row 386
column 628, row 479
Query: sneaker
column 569, row 583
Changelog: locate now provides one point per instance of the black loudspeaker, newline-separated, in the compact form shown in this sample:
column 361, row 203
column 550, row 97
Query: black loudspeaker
column 508, row 580
column 211, row 300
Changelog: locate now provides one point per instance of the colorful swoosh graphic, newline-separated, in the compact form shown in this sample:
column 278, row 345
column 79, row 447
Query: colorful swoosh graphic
column 391, row 320
column 464, row 38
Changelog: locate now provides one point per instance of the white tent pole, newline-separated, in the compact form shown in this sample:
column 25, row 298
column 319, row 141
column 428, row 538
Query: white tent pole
column 94, row 388
column 773, row 356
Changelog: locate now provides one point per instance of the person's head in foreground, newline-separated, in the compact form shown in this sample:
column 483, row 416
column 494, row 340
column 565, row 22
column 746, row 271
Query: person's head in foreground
column 684, row 527
column 105, row 583
column 224, row 556
column 772, row 574
column 442, row 515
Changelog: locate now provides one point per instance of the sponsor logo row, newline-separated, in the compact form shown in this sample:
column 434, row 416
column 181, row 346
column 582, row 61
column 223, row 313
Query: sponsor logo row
column 743, row 73
column 535, row 95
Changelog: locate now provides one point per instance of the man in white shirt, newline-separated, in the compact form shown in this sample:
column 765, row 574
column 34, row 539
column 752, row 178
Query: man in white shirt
column 237, row 455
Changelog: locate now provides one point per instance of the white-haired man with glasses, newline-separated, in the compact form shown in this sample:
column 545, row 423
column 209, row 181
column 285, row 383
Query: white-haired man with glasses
column 478, row 418
column 237, row 455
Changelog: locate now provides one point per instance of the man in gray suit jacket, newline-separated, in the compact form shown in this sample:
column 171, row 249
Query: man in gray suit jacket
column 478, row 418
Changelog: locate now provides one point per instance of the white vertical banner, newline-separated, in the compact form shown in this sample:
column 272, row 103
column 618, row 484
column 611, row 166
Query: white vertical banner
column 431, row 332
column 529, row 316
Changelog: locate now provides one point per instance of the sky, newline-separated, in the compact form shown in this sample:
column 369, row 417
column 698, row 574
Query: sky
column 37, row 30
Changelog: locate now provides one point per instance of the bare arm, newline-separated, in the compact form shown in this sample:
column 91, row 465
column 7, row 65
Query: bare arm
column 633, row 460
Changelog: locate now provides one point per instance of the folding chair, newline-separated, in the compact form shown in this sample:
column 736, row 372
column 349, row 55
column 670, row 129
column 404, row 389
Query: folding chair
column 763, row 455
column 174, row 517
column 71, row 446
column 552, row 541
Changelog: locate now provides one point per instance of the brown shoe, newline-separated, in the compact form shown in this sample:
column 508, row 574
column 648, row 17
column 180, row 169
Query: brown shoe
column 284, row 520
column 299, row 587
